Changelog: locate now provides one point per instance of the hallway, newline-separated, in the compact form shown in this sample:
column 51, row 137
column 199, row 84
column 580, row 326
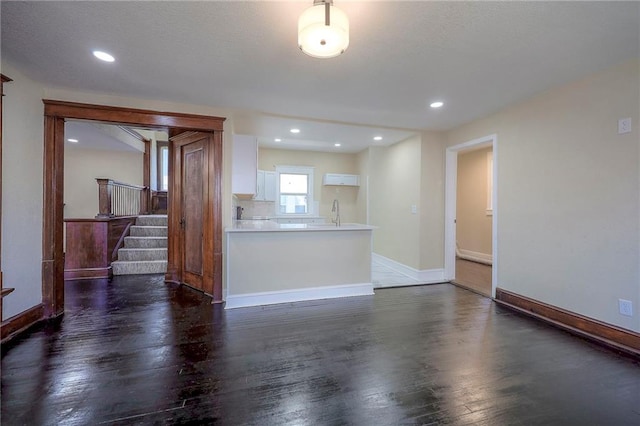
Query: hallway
column 137, row 350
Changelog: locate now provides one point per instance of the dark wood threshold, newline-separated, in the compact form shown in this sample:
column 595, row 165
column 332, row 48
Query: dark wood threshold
column 18, row 323
column 88, row 274
column 471, row 289
column 607, row 334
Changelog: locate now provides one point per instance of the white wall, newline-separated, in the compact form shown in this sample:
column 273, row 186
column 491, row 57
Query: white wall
column 569, row 195
column 22, row 153
column 81, row 168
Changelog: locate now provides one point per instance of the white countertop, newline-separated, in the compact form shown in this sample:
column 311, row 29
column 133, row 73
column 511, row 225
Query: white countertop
column 271, row 226
column 280, row 217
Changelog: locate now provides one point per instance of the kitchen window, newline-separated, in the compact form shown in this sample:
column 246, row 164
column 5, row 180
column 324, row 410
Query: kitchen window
column 294, row 190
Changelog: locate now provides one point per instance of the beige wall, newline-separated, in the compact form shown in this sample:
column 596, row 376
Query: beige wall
column 432, row 201
column 473, row 224
column 394, row 187
column 323, row 162
column 22, row 185
column 81, row 168
column 568, row 205
column 362, row 200
column 568, row 194
column 22, row 136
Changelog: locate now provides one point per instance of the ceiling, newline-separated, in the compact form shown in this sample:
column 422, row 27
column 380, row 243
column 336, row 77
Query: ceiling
column 477, row 57
column 92, row 136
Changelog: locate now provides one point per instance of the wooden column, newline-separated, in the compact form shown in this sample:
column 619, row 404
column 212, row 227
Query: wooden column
column 145, row 205
column 3, row 291
column 53, row 225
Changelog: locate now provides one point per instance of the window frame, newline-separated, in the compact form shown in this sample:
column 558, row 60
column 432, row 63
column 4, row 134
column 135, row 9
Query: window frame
column 159, row 146
column 296, row 170
column 490, row 178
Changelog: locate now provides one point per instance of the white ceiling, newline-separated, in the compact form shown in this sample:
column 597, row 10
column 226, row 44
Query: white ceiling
column 478, row 57
column 97, row 136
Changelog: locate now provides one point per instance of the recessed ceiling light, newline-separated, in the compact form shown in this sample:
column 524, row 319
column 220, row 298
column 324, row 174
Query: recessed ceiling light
column 336, row 144
column 72, row 140
column 437, row 104
column 295, row 130
column 103, row 56
column 377, row 138
column 278, row 140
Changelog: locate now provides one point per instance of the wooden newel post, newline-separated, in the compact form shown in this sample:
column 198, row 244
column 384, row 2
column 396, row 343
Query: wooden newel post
column 144, row 200
column 104, row 198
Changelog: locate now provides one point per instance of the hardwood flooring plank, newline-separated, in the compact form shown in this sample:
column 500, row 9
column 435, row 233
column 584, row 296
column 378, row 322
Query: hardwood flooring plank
column 139, row 351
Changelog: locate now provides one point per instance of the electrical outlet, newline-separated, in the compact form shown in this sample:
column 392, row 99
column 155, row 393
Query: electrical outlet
column 626, row 307
column 624, row 126
column 414, row 209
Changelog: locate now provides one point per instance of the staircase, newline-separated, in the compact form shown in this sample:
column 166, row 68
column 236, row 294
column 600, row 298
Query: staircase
column 145, row 249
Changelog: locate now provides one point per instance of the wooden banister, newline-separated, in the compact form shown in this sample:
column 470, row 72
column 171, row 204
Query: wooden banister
column 121, row 199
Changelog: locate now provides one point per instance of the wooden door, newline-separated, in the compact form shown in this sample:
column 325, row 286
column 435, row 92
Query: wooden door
column 194, row 206
column 195, row 222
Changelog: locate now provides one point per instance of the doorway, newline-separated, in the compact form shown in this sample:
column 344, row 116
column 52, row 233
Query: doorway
column 471, row 268
column 56, row 113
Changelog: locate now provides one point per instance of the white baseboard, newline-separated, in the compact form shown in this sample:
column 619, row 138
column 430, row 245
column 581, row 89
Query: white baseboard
column 426, row 276
column 475, row 256
column 298, row 295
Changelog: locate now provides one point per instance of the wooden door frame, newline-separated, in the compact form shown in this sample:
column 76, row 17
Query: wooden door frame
column 55, row 114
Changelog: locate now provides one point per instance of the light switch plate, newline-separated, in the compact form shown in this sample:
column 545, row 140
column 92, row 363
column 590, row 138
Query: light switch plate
column 624, row 125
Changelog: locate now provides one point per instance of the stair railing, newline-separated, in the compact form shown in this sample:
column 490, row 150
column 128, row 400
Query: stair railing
column 121, row 199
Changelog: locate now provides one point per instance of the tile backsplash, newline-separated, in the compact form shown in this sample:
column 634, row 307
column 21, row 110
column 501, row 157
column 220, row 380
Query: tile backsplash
column 257, row 208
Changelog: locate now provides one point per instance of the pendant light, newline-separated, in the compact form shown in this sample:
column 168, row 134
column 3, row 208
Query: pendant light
column 323, row 30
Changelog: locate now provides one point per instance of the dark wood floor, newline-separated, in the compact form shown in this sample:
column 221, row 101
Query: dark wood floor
column 137, row 351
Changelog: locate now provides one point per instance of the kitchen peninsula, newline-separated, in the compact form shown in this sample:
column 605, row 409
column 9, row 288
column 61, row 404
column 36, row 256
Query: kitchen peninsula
column 269, row 262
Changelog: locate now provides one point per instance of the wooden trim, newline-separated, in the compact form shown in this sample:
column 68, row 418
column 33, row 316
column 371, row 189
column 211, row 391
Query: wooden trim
column 174, row 196
column 607, row 334
column 6, row 291
column 15, row 325
column 88, row 273
column 131, row 116
column 215, row 198
column 134, row 134
column 52, row 217
column 120, row 243
column 146, row 176
column 3, row 79
column 52, row 223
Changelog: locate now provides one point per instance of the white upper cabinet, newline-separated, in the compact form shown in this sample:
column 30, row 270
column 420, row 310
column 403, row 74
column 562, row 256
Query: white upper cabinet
column 266, row 186
column 244, row 169
column 269, row 186
column 341, row 179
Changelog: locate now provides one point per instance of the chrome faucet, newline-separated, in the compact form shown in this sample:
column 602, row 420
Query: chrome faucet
column 335, row 209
